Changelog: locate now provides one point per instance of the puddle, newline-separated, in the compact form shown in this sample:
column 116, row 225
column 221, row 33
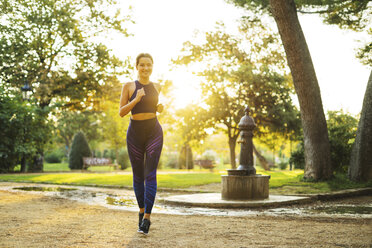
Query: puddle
column 345, row 209
column 121, row 199
column 44, row 189
column 120, row 202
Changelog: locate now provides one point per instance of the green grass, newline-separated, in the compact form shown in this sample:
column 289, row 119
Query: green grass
column 164, row 180
column 281, row 181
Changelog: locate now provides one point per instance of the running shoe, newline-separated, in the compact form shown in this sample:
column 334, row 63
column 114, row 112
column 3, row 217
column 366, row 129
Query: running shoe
column 145, row 226
column 140, row 218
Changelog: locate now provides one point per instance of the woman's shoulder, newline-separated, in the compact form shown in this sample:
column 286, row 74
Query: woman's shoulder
column 157, row 86
column 129, row 85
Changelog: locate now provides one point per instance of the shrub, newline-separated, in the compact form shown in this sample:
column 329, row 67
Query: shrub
column 52, row 158
column 79, row 149
column 341, row 130
column 171, row 160
column 209, row 155
column 341, row 133
column 55, row 156
column 298, row 157
column 123, row 159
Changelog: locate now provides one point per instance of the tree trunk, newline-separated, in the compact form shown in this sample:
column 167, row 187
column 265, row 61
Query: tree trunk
column 317, row 148
column 264, row 163
column 361, row 157
column 23, row 164
column 232, row 144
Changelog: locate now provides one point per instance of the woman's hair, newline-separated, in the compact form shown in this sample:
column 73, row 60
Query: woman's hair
column 143, row 55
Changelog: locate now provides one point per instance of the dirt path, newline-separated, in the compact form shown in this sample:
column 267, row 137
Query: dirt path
column 30, row 220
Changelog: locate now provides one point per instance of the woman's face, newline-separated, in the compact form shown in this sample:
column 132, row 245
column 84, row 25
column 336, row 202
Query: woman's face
column 144, row 67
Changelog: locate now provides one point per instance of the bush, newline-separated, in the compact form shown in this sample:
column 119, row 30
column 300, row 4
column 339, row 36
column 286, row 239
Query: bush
column 55, row 156
column 283, row 164
column 52, row 158
column 298, row 157
column 98, row 154
column 123, row 159
column 341, row 133
column 209, row 155
column 171, row 160
column 79, row 149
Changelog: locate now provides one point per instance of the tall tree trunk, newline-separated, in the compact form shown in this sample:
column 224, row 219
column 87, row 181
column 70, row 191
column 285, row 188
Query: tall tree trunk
column 23, row 164
column 232, row 144
column 361, row 157
column 317, row 148
column 264, row 163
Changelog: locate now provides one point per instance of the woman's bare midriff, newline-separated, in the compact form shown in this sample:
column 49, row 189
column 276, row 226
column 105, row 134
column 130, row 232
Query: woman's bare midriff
column 143, row 116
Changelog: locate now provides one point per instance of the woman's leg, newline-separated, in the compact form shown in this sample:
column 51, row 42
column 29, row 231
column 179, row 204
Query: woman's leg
column 153, row 148
column 136, row 155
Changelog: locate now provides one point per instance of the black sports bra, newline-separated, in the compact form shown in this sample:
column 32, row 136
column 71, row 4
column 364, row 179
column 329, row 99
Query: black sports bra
column 148, row 102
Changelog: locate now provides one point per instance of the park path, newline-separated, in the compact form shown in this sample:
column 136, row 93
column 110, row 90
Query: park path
column 36, row 220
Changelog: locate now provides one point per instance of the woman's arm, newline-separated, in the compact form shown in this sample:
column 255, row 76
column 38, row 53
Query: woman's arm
column 160, row 106
column 125, row 105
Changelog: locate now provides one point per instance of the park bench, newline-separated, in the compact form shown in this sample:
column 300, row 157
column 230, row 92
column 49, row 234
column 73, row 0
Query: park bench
column 205, row 163
column 90, row 161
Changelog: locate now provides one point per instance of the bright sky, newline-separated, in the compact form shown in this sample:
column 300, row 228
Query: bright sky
column 163, row 25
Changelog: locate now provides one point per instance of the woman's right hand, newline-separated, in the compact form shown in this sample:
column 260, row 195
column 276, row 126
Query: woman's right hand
column 140, row 94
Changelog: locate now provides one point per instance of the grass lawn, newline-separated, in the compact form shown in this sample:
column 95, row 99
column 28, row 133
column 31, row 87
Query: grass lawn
column 281, row 181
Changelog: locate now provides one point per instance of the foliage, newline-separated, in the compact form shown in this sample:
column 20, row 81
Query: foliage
column 123, row 159
column 241, row 70
column 209, row 155
column 297, row 157
column 53, row 45
column 341, row 131
column 69, row 122
column 55, row 156
column 24, row 130
column 79, row 149
column 347, row 14
column 171, row 159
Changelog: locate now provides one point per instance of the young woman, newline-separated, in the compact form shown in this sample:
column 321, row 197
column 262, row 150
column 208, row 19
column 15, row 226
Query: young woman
column 144, row 136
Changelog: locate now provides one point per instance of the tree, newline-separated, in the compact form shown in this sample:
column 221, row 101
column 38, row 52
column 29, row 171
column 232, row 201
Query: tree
column 361, row 157
column 23, row 132
column 241, row 70
column 341, row 131
column 69, row 122
column 185, row 159
column 79, row 149
column 54, row 46
column 317, row 150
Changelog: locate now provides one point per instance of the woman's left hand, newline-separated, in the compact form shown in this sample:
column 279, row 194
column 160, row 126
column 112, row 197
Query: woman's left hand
column 159, row 108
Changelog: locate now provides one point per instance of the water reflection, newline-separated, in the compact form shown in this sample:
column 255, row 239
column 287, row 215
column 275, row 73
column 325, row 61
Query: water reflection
column 125, row 200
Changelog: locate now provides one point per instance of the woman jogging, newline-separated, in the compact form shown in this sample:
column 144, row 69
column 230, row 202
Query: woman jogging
column 144, row 136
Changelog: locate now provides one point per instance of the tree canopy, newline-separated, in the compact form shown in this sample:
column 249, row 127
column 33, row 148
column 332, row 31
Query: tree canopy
column 54, row 46
column 245, row 69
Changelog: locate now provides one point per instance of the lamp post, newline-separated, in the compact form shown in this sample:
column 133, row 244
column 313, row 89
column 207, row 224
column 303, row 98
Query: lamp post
column 26, row 91
column 26, row 94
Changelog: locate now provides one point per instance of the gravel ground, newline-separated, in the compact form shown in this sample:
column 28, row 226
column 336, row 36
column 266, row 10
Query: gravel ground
column 36, row 220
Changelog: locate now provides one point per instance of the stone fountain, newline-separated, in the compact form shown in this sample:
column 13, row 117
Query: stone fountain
column 243, row 183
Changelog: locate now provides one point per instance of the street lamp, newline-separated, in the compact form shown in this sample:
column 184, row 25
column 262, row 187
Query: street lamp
column 26, row 94
column 26, row 91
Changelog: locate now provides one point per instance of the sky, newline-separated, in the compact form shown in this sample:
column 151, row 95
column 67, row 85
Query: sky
column 161, row 27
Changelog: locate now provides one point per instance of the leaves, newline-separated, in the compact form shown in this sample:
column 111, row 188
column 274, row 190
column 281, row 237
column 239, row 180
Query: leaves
column 52, row 44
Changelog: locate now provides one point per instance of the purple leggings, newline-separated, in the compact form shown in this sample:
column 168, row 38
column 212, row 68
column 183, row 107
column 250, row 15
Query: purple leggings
column 144, row 143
